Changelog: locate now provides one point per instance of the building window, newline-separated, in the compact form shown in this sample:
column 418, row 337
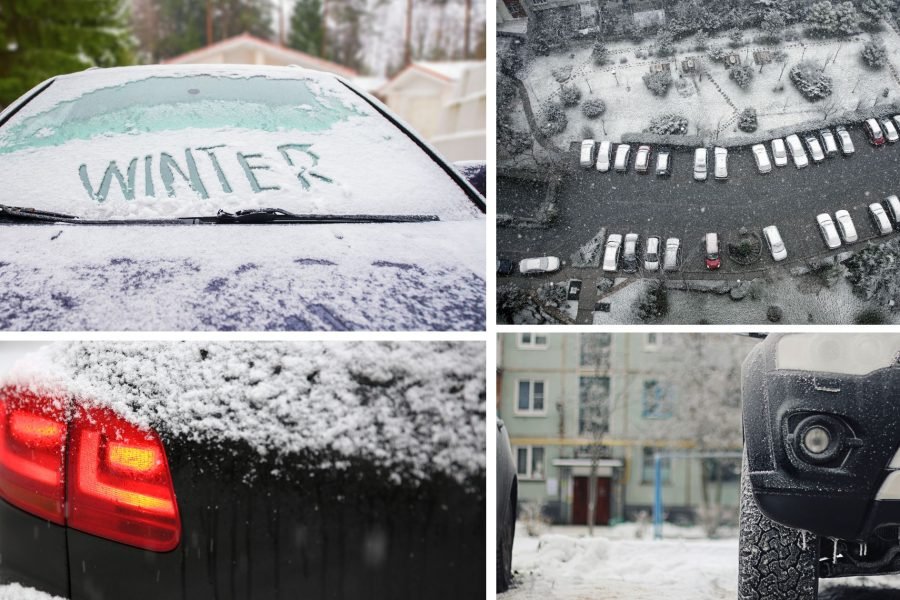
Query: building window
column 532, row 341
column 595, row 350
column 593, row 405
column 657, row 400
column 648, row 466
column 530, row 462
column 722, row 469
column 653, row 342
column 531, row 397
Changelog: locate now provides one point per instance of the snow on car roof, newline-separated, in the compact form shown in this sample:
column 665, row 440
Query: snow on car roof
column 413, row 408
column 188, row 140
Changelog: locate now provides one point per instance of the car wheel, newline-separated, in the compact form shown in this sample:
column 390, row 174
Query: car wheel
column 776, row 562
column 504, row 551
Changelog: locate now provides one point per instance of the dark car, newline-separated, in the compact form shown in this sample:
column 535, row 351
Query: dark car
column 821, row 474
column 505, row 266
column 507, row 502
column 245, row 470
column 229, row 197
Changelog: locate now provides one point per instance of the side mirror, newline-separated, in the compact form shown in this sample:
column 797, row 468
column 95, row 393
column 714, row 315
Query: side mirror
column 475, row 172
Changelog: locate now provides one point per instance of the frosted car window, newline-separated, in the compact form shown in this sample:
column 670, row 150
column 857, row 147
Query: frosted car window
column 189, row 145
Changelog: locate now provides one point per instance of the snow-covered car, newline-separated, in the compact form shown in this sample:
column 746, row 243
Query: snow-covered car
column 140, row 198
column 845, row 140
column 814, row 147
column 672, row 256
column 890, row 132
column 763, row 164
column 700, row 164
column 507, row 502
column 846, row 226
column 779, row 153
column 721, row 164
column 651, row 254
column 611, row 253
column 820, row 480
column 879, row 219
column 544, row 264
column 587, row 153
column 711, row 247
column 896, row 120
column 873, row 132
column 797, row 152
column 260, row 470
column 775, row 243
column 642, row 159
column 829, row 144
column 623, row 154
column 603, row 156
column 828, row 231
column 630, row 251
column 663, row 162
column 892, row 207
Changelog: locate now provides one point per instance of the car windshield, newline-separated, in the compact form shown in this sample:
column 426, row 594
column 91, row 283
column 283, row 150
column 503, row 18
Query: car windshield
column 165, row 142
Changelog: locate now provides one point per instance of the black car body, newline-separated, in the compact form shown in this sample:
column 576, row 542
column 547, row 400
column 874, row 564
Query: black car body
column 229, row 197
column 505, row 266
column 821, row 439
column 507, row 504
column 276, row 515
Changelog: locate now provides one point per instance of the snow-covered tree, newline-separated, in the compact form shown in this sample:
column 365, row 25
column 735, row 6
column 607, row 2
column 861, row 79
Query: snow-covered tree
column 871, row 12
column 593, row 108
column 747, row 121
column 874, row 54
column 669, row 124
column 821, row 17
column 554, row 119
column 848, row 19
column 717, row 54
column 569, row 95
column 810, row 81
column 736, row 38
column 658, row 83
column 665, row 43
column 873, row 273
column 600, row 53
column 701, row 40
column 773, row 24
column 741, row 75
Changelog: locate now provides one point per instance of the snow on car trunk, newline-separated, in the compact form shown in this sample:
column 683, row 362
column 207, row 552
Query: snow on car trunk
column 413, row 408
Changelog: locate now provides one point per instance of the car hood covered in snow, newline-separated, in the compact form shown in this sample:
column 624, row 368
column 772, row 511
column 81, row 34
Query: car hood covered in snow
column 410, row 276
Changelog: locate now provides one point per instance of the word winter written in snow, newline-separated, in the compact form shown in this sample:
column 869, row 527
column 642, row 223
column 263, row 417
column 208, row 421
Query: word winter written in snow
column 299, row 156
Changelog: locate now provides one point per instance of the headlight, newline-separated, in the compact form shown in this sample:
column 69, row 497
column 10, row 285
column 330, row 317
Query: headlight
column 816, row 440
column 820, row 439
column 844, row 353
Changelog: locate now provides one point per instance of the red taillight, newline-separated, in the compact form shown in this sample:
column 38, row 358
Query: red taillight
column 119, row 485
column 32, row 447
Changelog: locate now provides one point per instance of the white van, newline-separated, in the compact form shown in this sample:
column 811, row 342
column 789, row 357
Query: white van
column 603, row 162
column 587, row 153
column 623, row 153
column 700, row 164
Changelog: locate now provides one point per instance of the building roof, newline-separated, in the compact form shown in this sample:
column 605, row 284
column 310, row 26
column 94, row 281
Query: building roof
column 284, row 54
column 444, row 71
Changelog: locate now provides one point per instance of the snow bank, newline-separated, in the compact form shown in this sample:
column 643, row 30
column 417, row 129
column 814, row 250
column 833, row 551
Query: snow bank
column 14, row 591
column 414, row 408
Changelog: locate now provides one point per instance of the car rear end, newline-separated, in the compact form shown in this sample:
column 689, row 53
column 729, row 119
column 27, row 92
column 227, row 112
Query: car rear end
column 239, row 480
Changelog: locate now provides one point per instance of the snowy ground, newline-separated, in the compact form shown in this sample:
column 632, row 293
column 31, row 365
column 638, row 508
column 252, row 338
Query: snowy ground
column 14, row 591
column 705, row 102
column 564, row 563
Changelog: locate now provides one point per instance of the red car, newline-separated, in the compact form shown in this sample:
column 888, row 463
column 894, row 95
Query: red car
column 713, row 261
column 874, row 132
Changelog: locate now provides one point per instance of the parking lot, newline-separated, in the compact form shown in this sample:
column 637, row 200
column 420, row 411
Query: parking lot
column 678, row 206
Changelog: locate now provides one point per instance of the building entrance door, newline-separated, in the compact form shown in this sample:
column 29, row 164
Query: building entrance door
column 580, row 501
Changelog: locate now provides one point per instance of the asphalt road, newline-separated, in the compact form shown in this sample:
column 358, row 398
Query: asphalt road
column 850, row 592
column 680, row 207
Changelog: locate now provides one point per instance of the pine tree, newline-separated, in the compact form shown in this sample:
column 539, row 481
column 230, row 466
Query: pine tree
column 43, row 38
column 182, row 25
column 307, row 28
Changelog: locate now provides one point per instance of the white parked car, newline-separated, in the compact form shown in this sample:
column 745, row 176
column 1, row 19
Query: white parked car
column 544, row 264
column 721, row 169
column 775, row 243
column 880, row 220
column 845, row 140
column 763, row 164
column 845, row 224
column 611, row 254
column 672, row 257
column 829, row 144
column 815, row 148
column 623, row 153
column 828, row 231
column 797, row 151
column 651, row 254
column 603, row 156
column 587, row 153
column 779, row 153
column 892, row 206
column 890, row 132
column 642, row 159
column 700, row 164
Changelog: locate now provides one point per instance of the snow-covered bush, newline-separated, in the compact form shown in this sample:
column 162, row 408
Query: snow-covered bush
column 587, row 132
column 653, row 303
column 510, row 60
column 874, row 54
column 600, row 53
column 741, row 75
column 773, row 24
column 593, row 108
column 569, row 95
column 701, row 40
column 562, row 74
column 871, row 12
column 554, row 119
column 870, row 316
column 736, row 38
column 825, row 18
column 717, row 54
column 658, row 83
column 811, row 81
column 552, row 295
column 873, row 273
column 665, row 43
column 669, row 124
column 747, row 122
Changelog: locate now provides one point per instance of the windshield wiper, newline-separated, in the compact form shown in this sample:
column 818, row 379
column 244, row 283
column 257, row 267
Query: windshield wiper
column 250, row 216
